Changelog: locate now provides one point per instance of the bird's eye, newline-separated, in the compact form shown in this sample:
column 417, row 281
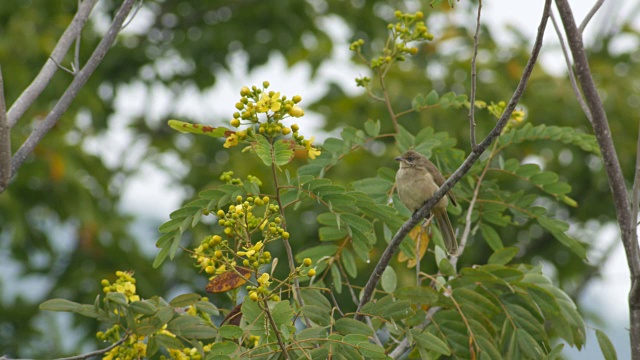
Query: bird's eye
column 410, row 158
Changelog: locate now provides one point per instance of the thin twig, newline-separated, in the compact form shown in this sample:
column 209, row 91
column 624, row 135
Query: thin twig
column 276, row 330
column 5, row 140
column 387, row 102
column 459, row 173
column 405, row 343
column 33, row 91
column 98, row 352
column 612, row 166
column 467, row 226
column 572, row 77
column 297, row 295
column 72, row 71
column 133, row 14
column 75, row 65
column 472, row 97
column 592, row 12
column 78, row 82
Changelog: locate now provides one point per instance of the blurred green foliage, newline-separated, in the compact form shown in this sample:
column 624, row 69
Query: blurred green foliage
column 61, row 224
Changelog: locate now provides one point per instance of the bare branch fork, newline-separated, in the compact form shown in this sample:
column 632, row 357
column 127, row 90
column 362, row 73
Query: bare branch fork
column 626, row 216
column 460, row 172
column 78, row 82
column 33, row 91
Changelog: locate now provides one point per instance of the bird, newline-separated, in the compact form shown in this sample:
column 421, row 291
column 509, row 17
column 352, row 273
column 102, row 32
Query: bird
column 417, row 180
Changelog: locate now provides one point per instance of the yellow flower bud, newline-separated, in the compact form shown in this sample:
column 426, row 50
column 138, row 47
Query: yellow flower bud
column 296, row 111
column 235, row 122
column 312, row 272
column 216, row 239
column 245, row 91
column 210, row 270
column 218, row 254
column 295, row 127
column 285, row 235
column 253, row 296
column 307, row 262
column 286, row 131
column 220, row 213
column 296, row 99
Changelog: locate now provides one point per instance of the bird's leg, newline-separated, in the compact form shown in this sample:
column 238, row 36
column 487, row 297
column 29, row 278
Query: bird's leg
column 426, row 223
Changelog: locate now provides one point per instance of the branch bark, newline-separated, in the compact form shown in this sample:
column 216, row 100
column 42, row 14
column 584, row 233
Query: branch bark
column 612, row 166
column 420, row 214
column 33, row 91
column 5, row 141
column 72, row 91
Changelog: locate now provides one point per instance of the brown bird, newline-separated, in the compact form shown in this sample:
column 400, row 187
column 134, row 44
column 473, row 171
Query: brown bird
column 417, row 180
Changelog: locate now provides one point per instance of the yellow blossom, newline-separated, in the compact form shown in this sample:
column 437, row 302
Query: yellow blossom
column 232, row 141
column 264, row 279
column 311, row 151
column 267, row 102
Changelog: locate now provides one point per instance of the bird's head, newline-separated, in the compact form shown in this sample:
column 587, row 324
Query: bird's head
column 411, row 159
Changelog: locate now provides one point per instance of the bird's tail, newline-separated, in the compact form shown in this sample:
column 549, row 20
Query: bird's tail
column 446, row 230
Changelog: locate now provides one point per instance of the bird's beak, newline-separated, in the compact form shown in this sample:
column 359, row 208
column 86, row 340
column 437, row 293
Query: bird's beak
column 399, row 158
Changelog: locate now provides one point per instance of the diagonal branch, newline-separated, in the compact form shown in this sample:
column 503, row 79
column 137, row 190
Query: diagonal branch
column 420, row 214
column 590, row 14
column 33, row 91
column 5, row 141
column 72, row 91
column 612, row 166
column 572, row 77
column 472, row 97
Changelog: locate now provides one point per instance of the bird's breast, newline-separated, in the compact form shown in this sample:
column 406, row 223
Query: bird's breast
column 415, row 186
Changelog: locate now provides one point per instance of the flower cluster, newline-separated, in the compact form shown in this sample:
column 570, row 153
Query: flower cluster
column 130, row 349
column 215, row 255
column 262, row 290
column 125, row 284
column 408, row 30
column 228, row 178
column 261, row 111
column 497, row 110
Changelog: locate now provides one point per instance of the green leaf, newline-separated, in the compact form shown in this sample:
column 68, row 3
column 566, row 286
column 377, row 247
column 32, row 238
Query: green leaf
column 389, row 280
column 185, row 300
column 491, row 236
column 143, row 307
column 168, row 342
column 316, row 314
column 557, row 228
column 544, row 178
column 336, row 277
column 371, row 351
column 198, row 332
column 349, row 263
column 432, row 98
column 317, row 252
column 185, row 127
column 372, row 127
column 608, row 351
column 230, row 331
column 503, row 256
column 528, row 344
column 329, row 233
column 282, row 152
column 223, row 348
column 70, row 306
column 348, row 326
column 431, row 342
column 314, row 297
column 263, row 149
column 419, row 295
column 527, row 170
column 405, row 139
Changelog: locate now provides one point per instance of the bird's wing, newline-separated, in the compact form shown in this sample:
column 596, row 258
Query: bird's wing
column 439, row 179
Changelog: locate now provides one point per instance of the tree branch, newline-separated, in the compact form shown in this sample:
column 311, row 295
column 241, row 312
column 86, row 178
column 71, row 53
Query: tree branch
column 72, row 91
column 612, row 166
column 5, row 141
column 33, row 91
column 472, row 97
column 590, row 14
column 460, row 172
column 98, row 352
column 572, row 77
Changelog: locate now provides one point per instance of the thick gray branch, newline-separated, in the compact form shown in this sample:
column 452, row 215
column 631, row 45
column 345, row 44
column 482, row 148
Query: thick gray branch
column 5, row 141
column 460, row 172
column 612, row 166
column 33, row 91
column 72, row 91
